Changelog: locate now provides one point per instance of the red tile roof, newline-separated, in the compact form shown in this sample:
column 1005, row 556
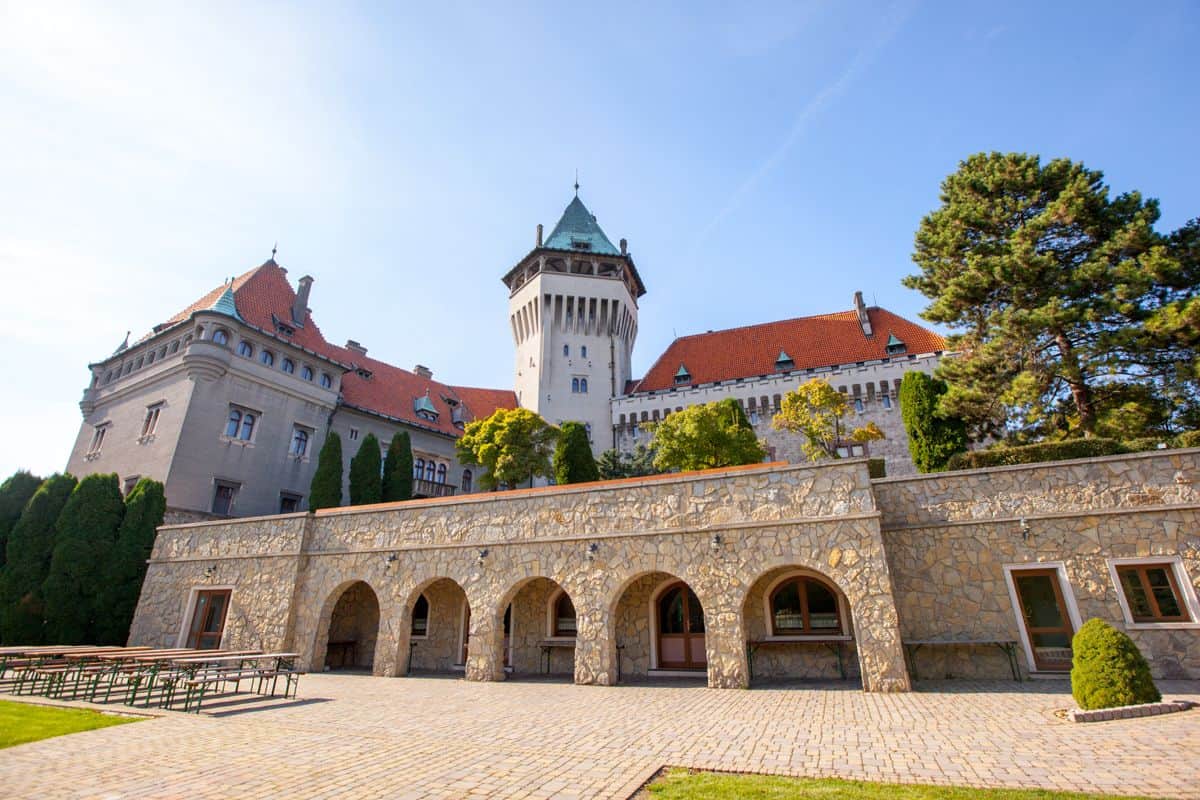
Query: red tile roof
column 263, row 295
column 821, row 341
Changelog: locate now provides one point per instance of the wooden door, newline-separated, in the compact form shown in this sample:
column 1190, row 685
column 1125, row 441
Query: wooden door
column 680, row 629
column 466, row 633
column 1045, row 618
column 208, row 619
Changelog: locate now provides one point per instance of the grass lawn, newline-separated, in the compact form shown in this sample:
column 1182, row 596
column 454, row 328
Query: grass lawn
column 682, row 784
column 23, row 722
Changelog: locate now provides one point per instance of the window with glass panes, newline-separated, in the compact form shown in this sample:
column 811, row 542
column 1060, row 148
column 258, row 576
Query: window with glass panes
column 1152, row 592
column 804, row 606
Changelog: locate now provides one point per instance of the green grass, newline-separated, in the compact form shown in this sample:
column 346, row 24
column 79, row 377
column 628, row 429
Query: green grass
column 682, row 784
column 23, row 722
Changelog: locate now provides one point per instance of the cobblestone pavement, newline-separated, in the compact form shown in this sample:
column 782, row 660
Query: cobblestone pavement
column 358, row 736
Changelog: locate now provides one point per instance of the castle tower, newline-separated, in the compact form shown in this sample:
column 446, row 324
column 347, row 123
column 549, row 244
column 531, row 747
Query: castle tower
column 573, row 313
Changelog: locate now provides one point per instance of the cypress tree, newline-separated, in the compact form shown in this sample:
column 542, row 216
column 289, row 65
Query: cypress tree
column 365, row 469
column 144, row 510
column 14, row 494
column 573, row 461
column 326, row 488
column 29, row 547
column 84, row 536
column 932, row 438
column 398, row 469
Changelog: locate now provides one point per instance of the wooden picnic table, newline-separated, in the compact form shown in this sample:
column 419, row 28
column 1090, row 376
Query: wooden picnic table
column 233, row 655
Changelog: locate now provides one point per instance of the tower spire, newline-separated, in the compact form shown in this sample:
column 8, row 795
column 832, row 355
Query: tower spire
column 577, row 181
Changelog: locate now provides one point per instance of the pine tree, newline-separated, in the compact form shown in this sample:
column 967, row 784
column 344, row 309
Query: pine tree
column 14, row 494
column 398, row 469
column 126, row 568
column 326, row 488
column 29, row 547
column 573, row 461
column 85, row 534
column 365, row 469
column 932, row 438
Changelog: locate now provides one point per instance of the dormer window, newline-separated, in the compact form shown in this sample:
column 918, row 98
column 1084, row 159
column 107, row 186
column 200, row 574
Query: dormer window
column 580, row 244
column 682, row 376
column 458, row 416
column 895, row 345
column 784, row 362
column 424, row 408
column 364, row 373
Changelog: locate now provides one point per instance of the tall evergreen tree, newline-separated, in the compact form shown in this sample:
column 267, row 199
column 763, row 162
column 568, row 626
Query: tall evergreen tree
column 326, row 488
column 85, row 534
column 30, row 544
column 573, row 461
column 365, row 469
column 398, row 469
column 126, row 565
column 932, row 437
column 14, row 494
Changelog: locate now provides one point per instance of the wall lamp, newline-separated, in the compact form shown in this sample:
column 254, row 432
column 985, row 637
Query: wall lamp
column 1025, row 529
column 715, row 544
column 212, row 570
column 483, row 554
column 391, row 559
column 592, row 549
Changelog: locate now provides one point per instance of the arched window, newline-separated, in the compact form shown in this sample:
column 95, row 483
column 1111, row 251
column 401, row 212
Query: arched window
column 306, row 373
column 289, row 366
column 247, row 427
column 564, row 615
column 566, row 350
column 299, row 442
column 804, row 606
column 245, row 349
column 583, row 385
column 441, row 473
column 887, row 401
column 574, row 385
column 267, row 358
column 583, row 351
column 174, row 347
column 419, row 468
column 466, row 480
column 430, row 468
column 420, row 617
column 235, row 422
column 138, row 365
column 326, row 380
column 220, row 336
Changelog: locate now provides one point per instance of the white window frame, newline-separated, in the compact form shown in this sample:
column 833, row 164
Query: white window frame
column 189, row 608
column 99, row 432
column 150, row 421
column 1064, row 585
column 550, row 637
column 1186, row 588
column 308, row 442
column 428, row 620
column 843, row 634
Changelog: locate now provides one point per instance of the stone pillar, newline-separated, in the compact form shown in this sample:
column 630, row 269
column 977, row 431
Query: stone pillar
column 595, row 647
column 725, row 644
column 391, row 644
column 880, row 653
column 485, row 649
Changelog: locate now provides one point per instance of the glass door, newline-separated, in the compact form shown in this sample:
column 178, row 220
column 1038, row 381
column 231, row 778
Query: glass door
column 1045, row 619
column 208, row 620
column 681, row 629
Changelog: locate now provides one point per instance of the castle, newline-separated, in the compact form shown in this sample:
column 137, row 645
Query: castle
column 228, row 401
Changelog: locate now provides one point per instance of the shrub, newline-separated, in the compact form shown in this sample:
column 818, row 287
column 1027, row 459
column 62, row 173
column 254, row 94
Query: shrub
column 14, row 494
column 1188, row 439
column 1108, row 670
column 1036, row 453
column 1143, row 443
column 876, row 467
column 29, row 547
column 932, row 439
column 326, row 488
column 365, row 470
column 573, row 461
column 398, row 469
column 145, row 506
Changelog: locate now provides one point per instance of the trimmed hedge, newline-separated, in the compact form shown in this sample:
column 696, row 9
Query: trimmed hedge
column 1035, row 453
column 1188, row 439
column 1108, row 670
column 1144, row 443
column 876, row 468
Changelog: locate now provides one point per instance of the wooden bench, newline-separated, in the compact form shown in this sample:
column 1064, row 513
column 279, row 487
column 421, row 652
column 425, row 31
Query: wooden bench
column 1008, row 647
column 833, row 644
column 549, row 645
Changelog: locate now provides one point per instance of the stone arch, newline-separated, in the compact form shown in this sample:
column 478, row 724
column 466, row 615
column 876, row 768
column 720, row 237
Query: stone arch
column 637, row 632
column 817, row 643
column 445, row 643
column 532, row 640
column 348, row 630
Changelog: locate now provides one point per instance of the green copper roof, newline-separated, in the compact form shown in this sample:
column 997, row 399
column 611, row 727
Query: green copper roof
column 893, row 341
column 225, row 304
column 682, row 373
column 423, row 403
column 784, row 358
column 577, row 230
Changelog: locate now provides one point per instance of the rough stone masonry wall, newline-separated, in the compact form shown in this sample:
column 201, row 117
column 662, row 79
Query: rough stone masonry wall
column 950, row 536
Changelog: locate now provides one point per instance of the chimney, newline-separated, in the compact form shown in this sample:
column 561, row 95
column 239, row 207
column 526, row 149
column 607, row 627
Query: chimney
column 423, row 371
column 539, row 235
column 356, row 347
column 624, row 247
column 861, row 309
column 300, row 305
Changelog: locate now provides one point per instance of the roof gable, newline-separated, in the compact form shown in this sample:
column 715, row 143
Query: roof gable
column 578, row 230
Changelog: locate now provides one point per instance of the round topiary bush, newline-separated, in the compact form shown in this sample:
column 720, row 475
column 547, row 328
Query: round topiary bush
column 1108, row 670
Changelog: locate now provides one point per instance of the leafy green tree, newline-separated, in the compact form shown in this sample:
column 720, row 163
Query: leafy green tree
column 14, row 494
column 145, row 506
column 615, row 464
column 85, row 532
column 398, row 469
column 573, row 461
column 30, row 544
column 932, row 438
column 365, row 470
column 326, row 488
column 1043, row 277
column 705, row 436
column 816, row 411
column 513, row 445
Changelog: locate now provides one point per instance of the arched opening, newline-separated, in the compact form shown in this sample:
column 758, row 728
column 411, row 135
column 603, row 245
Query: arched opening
column 797, row 625
column 539, row 629
column 659, row 628
column 353, row 629
column 440, row 629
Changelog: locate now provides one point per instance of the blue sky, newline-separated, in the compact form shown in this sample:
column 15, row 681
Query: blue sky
column 764, row 161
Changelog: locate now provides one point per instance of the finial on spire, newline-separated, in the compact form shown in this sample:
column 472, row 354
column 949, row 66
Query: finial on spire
column 274, row 248
column 577, row 182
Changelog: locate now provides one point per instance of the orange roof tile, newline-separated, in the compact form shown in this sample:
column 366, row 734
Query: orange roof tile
column 820, row 341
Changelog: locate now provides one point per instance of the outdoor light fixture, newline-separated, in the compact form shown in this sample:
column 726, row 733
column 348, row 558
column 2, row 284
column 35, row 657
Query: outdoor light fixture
column 591, row 551
column 715, row 544
column 391, row 559
column 483, row 553
column 212, row 570
column 1025, row 529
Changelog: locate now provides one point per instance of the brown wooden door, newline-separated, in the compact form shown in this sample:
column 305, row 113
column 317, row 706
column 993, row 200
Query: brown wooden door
column 466, row 634
column 680, row 629
column 208, row 619
column 1045, row 618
